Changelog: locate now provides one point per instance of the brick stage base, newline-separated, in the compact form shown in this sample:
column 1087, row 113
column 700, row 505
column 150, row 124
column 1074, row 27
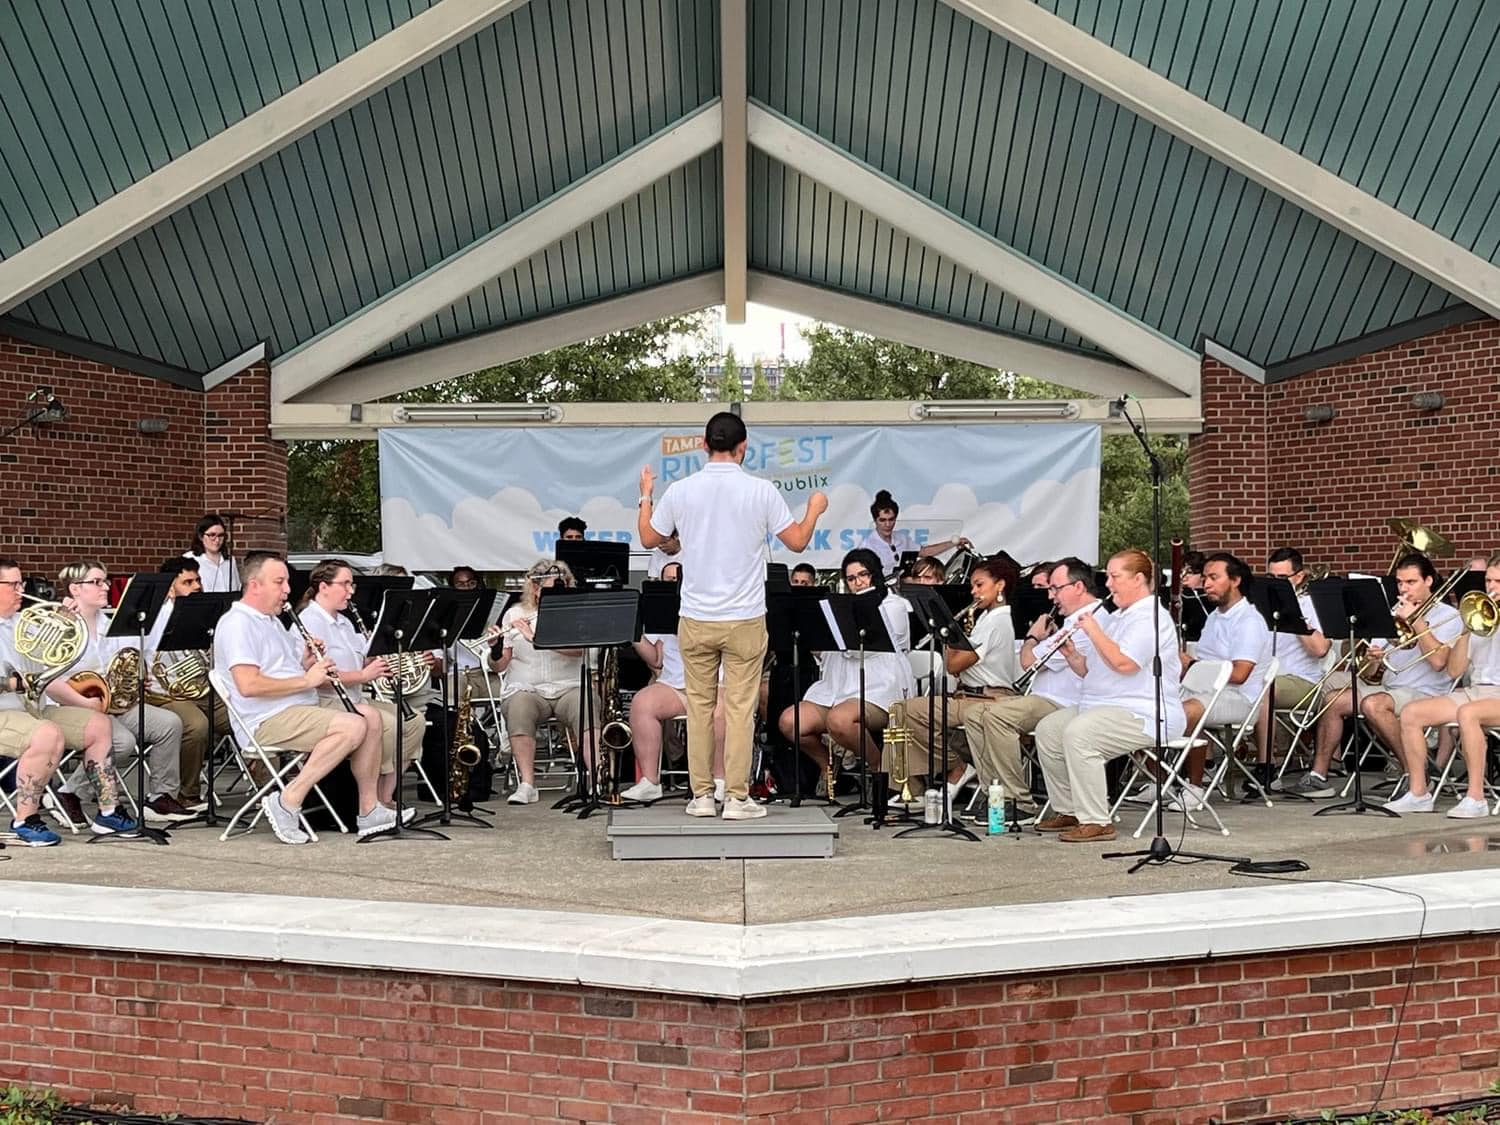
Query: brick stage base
column 1230, row 1039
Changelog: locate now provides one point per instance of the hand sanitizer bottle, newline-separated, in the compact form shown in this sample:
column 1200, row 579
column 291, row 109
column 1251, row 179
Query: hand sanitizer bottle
column 997, row 808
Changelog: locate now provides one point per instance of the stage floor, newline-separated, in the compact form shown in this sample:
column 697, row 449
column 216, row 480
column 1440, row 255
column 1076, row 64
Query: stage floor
column 540, row 859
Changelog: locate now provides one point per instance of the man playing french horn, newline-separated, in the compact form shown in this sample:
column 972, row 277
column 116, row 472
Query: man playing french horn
column 24, row 735
column 84, row 589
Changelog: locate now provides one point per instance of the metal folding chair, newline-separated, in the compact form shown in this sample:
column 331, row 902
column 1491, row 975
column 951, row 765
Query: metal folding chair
column 1230, row 738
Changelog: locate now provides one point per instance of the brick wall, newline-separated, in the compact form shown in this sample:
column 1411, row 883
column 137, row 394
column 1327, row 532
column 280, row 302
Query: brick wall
column 1235, row 1039
column 1261, row 475
column 93, row 484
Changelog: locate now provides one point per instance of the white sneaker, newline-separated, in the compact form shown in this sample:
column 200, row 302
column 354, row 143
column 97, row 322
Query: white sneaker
column 285, row 823
column 719, row 790
column 643, row 790
column 742, row 808
column 379, row 819
column 1406, row 803
column 702, row 806
column 525, row 794
column 1196, row 795
column 956, row 787
column 1470, row 808
column 1144, row 795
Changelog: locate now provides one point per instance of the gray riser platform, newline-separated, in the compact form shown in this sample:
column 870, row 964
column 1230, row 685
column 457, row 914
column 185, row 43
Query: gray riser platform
column 667, row 832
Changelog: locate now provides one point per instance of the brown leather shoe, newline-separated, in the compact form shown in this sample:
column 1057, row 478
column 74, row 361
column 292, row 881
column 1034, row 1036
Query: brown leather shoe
column 1057, row 822
column 1088, row 833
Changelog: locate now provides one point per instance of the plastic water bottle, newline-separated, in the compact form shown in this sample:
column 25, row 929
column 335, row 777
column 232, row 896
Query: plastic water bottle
column 997, row 808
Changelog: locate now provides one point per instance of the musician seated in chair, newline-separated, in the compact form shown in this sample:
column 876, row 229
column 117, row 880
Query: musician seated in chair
column 83, row 587
column 831, row 705
column 274, row 680
column 1234, row 633
column 1409, row 672
column 81, row 729
column 660, row 701
column 1472, row 708
column 34, row 744
column 540, row 684
column 330, row 586
column 1301, row 656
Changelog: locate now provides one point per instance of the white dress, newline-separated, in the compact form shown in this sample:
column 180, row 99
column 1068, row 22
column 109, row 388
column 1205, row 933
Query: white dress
column 888, row 675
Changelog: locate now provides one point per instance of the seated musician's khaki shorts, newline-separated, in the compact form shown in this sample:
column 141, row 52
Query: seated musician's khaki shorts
column 299, row 727
column 16, row 731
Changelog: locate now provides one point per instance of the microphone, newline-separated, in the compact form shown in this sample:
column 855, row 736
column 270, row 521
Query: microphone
column 1119, row 404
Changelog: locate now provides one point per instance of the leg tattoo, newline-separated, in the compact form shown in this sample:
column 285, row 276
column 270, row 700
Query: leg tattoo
column 106, row 780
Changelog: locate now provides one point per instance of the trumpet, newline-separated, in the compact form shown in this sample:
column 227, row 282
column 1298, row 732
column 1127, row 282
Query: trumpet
column 967, row 616
column 479, row 647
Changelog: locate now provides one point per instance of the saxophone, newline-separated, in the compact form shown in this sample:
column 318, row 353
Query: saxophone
column 464, row 755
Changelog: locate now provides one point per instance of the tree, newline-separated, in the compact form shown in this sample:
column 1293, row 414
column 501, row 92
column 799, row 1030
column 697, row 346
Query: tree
column 731, row 386
column 760, row 386
column 1125, row 492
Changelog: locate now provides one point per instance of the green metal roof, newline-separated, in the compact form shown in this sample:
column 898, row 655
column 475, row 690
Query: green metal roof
column 1396, row 99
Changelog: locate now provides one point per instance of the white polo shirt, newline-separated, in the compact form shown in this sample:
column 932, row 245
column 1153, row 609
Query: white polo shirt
column 671, row 673
column 10, row 700
column 219, row 577
column 1296, row 660
column 994, row 639
column 1134, row 630
column 1484, row 660
column 1415, row 673
column 888, row 553
column 1055, row 680
column 247, row 636
column 724, row 517
column 339, row 636
column 1237, row 633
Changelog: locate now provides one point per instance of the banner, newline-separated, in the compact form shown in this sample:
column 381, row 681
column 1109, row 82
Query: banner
column 492, row 498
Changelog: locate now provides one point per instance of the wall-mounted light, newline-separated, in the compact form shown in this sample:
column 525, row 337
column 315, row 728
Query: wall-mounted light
column 152, row 425
column 1322, row 412
column 1428, row 400
column 1015, row 409
column 449, row 413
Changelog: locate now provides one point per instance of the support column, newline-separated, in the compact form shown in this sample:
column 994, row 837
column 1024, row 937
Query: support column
column 1228, row 472
column 244, row 467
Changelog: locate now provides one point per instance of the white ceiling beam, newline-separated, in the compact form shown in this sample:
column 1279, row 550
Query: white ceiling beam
column 298, row 371
column 1243, row 148
column 245, row 143
column 732, row 50
column 961, row 341
column 532, row 337
column 988, row 258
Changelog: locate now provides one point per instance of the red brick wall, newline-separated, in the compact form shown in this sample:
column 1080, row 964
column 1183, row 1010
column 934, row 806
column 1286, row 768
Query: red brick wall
column 1236, row 1039
column 93, row 484
column 1440, row 468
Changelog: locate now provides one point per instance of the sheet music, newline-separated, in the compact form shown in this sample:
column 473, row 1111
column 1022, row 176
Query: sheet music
column 833, row 626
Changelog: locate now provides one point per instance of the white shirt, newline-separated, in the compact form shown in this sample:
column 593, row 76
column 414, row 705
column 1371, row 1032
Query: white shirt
column 98, row 651
column 1415, row 673
column 1055, row 680
column 994, row 639
column 671, row 673
column 218, row 577
column 1133, row 629
column 888, row 553
column 543, row 670
column 658, row 559
column 888, row 675
column 1295, row 659
column 247, row 636
column 10, row 700
column 1238, row 633
column 723, row 516
column 338, row 634
column 1484, row 660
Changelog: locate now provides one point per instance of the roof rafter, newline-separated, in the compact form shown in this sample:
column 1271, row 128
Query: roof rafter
column 1247, row 150
column 245, row 143
column 978, row 252
column 300, row 370
column 733, row 46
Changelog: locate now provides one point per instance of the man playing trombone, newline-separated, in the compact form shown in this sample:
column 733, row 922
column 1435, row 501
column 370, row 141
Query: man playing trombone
column 1414, row 669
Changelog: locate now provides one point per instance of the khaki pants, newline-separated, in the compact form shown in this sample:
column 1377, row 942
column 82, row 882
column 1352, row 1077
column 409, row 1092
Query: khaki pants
column 193, row 714
column 995, row 729
column 1073, row 747
column 740, row 648
column 960, row 707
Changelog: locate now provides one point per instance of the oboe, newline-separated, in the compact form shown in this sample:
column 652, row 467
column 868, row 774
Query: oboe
column 312, row 643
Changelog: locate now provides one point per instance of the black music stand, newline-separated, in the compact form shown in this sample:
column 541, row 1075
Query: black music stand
column 191, row 629
column 297, row 581
column 453, row 614
column 794, row 621
column 858, row 625
column 474, row 627
column 595, row 562
column 1350, row 610
column 141, row 601
column 590, row 620
column 1276, row 601
column 661, row 605
column 402, row 613
column 369, row 592
column 933, row 617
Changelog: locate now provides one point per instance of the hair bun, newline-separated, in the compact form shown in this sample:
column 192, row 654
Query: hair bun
column 883, row 497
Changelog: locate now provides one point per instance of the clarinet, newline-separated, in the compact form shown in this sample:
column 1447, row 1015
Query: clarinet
column 312, row 643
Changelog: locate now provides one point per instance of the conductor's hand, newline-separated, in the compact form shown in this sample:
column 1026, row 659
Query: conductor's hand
column 648, row 480
column 817, row 504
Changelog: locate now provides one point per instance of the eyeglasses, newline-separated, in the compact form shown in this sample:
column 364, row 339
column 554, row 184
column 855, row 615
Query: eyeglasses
column 1063, row 586
column 850, row 576
column 102, row 582
column 15, row 583
column 349, row 582
column 213, row 535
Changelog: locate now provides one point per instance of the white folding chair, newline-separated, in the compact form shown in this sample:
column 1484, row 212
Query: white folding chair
column 1231, row 737
column 1295, row 716
column 278, row 761
column 1209, row 675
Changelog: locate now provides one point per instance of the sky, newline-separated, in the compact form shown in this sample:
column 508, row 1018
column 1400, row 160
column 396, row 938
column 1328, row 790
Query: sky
column 765, row 335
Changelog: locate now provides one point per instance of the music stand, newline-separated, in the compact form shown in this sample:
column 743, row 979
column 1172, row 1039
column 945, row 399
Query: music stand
column 586, row 619
column 1276, row 601
column 402, row 613
column 858, row 624
column 191, row 629
column 595, row 561
column 298, row 581
column 370, row 589
column 454, row 614
column 932, row 617
column 661, row 604
column 1354, row 609
column 794, row 621
column 141, row 601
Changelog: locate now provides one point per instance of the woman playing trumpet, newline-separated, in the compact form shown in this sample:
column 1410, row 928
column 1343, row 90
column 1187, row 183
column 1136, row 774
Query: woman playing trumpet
column 1472, row 708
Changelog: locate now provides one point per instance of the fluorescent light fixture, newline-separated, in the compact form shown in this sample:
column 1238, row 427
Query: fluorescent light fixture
column 1011, row 408
column 450, row 413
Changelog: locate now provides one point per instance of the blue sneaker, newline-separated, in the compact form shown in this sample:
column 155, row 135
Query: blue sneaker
column 116, row 821
column 34, row 833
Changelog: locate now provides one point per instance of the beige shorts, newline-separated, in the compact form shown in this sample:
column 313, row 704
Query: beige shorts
column 1474, row 694
column 73, row 721
column 524, row 711
column 300, row 727
column 17, row 728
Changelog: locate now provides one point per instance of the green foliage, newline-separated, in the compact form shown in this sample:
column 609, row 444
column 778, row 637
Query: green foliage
column 1125, row 493
column 731, row 385
column 28, row 1107
column 760, row 386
